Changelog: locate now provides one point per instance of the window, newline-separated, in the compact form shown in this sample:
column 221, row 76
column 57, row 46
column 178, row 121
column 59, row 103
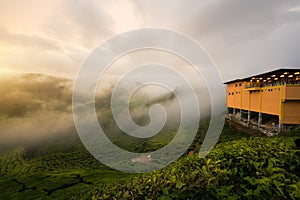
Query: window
column 240, row 84
column 229, row 93
column 236, row 85
column 232, row 93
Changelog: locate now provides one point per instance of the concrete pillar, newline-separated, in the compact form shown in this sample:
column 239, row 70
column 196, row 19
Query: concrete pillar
column 233, row 114
column 228, row 114
column 259, row 118
column 280, row 127
column 240, row 116
column 249, row 117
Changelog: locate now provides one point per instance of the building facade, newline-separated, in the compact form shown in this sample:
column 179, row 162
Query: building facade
column 269, row 101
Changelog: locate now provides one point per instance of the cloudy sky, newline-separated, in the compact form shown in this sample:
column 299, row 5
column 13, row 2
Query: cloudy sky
column 242, row 37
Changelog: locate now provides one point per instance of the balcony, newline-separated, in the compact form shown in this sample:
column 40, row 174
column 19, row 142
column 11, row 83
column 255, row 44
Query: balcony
column 259, row 86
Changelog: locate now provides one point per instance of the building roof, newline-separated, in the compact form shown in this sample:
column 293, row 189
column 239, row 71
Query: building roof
column 283, row 72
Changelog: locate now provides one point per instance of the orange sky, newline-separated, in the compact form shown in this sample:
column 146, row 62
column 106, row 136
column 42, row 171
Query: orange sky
column 55, row 37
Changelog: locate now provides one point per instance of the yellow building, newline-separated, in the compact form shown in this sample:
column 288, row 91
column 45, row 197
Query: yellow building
column 270, row 100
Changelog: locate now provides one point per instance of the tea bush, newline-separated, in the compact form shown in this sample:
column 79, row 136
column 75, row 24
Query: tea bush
column 249, row 168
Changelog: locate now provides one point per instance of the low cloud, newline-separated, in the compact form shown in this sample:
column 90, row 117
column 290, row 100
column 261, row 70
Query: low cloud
column 34, row 108
column 36, row 127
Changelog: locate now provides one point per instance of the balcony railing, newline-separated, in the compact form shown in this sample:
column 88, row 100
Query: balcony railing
column 261, row 85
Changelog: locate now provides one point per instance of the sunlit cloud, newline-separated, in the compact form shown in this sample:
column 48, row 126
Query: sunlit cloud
column 55, row 37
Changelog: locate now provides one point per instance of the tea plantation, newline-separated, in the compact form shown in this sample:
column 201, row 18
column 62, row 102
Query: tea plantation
column 256, row 168
column 243, row 165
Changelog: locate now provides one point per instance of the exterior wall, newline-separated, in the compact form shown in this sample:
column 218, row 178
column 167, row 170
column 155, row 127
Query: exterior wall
column 283, row 100
column 245, row 100
column 271, row 100
column 291, row 92
column 238, row 98
column 291, row 113
column 255, row 101
column 230, row 95
column 234, row 91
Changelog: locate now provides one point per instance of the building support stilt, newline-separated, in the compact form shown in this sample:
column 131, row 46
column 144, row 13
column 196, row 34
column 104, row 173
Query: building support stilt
column 233, row 115
column 259, row 119
column 280, row 127
column 240, row 115
column 249, row 117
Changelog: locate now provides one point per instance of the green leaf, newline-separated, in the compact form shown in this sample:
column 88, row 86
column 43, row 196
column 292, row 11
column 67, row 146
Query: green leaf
column 204, row 170
column 173, row 178
column 179, row 185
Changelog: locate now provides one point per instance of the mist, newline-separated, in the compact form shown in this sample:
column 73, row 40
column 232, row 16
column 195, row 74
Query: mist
column 38, row 127
column 35, row 108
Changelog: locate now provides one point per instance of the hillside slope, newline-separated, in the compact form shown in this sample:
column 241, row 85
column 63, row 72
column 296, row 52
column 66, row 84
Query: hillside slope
column 246, row 168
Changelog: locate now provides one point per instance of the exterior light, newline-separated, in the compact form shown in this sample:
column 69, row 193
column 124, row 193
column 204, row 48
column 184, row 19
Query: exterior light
column 260, row 78
column 268, row 78
column 285, row 73
column 273, row 75
column 296, row 73
column 281, row 76
column 275, row 79
column 290, row 76
column 253, row 78
column 265, row 80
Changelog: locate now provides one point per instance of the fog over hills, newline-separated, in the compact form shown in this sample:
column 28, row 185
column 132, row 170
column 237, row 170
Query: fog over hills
column 33, row 107
column 37, row 107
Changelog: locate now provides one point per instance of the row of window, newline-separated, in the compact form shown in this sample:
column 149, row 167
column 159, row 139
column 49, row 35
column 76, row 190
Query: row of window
column 232, row 93
column 269, row 90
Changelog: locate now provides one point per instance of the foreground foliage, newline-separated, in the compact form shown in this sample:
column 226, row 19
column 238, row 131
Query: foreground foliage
column 241, row 166
column 249, row 168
